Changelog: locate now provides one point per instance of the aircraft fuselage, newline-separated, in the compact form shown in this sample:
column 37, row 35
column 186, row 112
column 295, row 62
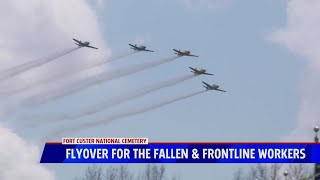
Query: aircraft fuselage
column 139, row 48
column 212, row 87
column 199, row 71
column 83, row 44
column 184, row 53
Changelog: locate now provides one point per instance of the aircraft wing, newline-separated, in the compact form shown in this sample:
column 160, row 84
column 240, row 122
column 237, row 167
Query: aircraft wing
column 176, row 50
column 206, row 84
column 148, row 50
column 193, row 69
column 192, row 55
column 132, row 45
column 220, row 90
column 208, row 74
column 77, row 41
column 91, row 47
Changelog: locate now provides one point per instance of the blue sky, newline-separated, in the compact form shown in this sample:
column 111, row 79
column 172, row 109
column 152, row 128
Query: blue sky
column 261, row 77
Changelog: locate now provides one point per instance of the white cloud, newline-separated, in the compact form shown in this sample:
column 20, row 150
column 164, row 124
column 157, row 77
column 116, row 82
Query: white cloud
column 19, row 160
column 301, row 36
column 37, row 28
column 33, row 29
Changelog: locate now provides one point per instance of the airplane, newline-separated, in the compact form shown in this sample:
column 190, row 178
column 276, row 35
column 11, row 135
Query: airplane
column 139, row 48
column 84, row 44
column 183, row 53
column 199, row 71
column 212, row 87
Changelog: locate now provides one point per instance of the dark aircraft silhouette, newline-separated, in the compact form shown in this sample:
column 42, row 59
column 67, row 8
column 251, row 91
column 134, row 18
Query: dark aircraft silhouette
column 84, row 44
column 139, row 48
column 183, row 53
column 212, row 87
column 199, row 71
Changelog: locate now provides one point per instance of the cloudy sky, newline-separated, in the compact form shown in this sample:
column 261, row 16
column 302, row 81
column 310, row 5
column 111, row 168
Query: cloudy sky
column 264, row 53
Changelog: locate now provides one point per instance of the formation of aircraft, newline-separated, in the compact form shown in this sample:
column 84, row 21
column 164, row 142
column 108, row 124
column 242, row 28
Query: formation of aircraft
column 139, row 48
column 212, row 87
column 199, row 71
column 84, row 44
column 183, row 53
column 178, row 52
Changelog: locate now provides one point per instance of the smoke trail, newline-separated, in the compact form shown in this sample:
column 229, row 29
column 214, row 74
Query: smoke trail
column 125, row 114
column 58, row 76
column 32, row 64
column 96, row 79
column 116, row 100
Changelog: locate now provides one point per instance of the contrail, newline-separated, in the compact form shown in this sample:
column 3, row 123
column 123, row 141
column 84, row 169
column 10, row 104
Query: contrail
column 116, row 100
column 95, row 79
column 14, row 71
column 80, row 127
column 67, row 73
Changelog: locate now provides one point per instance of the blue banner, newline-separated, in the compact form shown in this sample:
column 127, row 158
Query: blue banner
column 182, row 153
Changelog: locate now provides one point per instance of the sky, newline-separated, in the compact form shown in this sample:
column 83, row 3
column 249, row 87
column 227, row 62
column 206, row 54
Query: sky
column 264, row 53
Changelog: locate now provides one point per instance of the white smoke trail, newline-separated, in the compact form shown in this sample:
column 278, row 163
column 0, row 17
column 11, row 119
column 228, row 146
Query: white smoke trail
column 113, row 101
column 60, row 75
column 124, row 115
column 27, row 29
column 93, row 80
column 9, row 73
